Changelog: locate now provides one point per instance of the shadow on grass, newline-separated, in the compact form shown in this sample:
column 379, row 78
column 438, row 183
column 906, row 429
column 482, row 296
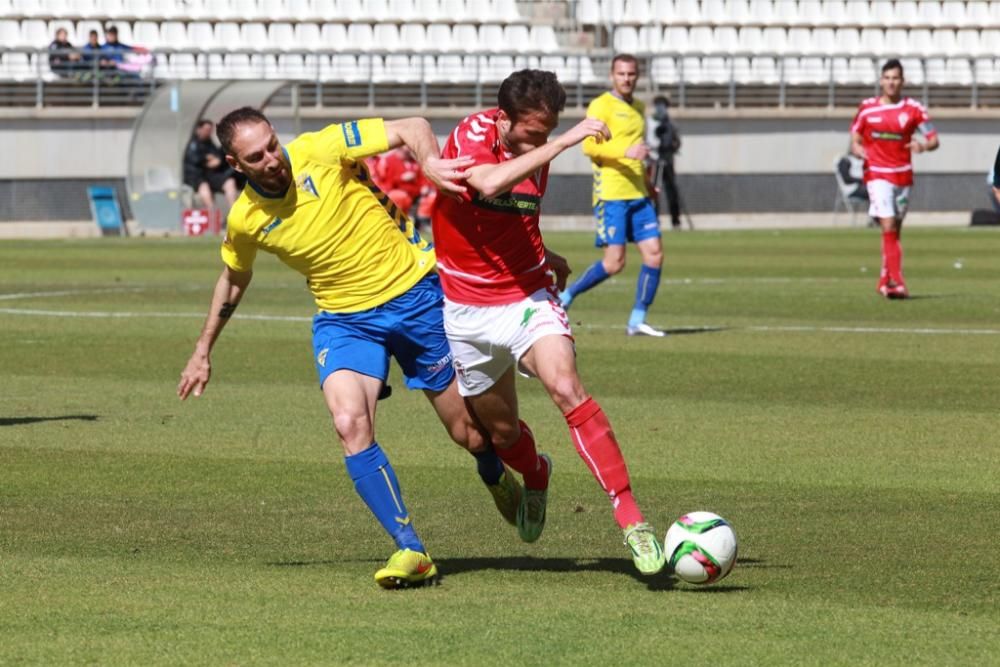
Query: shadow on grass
column 20, row 421
column 682, row 331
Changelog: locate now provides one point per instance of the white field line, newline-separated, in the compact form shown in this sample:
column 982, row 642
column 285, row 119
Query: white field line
column 924, row 331
column 68, row 292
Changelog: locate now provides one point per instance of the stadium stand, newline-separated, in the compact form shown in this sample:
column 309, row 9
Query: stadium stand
column 729, row 53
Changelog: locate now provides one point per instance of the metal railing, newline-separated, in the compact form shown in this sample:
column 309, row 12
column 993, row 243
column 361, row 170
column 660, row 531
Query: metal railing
column 447, row 79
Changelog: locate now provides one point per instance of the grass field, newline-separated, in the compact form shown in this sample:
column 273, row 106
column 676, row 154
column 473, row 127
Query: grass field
column 851, row 442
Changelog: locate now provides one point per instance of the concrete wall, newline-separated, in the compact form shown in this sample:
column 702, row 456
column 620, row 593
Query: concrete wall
column 763, row 161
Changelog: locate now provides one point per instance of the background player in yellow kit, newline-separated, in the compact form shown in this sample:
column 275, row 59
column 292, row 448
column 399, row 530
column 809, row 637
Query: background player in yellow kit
column 314, row 205
column 622, row 201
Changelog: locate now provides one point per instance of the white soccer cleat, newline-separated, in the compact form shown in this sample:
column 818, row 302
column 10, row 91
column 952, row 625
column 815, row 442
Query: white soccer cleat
column 643, row 329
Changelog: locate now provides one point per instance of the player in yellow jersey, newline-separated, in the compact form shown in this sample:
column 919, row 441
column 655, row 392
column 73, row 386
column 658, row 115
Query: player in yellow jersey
column 314, row 205
column 622, row 198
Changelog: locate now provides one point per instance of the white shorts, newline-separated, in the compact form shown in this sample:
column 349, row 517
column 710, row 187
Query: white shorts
column 486, row 340
column 887, row 200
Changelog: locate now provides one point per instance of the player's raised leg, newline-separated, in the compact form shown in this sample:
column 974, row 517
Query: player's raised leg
column 553, row 360
column 351, row 398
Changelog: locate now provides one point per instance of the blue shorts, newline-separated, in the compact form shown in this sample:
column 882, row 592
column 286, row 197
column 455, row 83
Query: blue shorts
column 625, row 220
column 409, row 327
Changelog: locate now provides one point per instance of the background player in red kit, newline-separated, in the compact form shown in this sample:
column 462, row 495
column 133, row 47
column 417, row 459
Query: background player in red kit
column 882, row 134
column 399, row 175
column 501, row 308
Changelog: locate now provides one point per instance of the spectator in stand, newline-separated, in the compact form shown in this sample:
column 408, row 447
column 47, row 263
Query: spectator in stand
column 114, row 52
column 94, row 62
column 205, row 167
column 64, row 60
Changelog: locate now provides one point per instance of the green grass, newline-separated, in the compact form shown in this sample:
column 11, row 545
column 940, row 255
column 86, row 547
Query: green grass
column 851, row 442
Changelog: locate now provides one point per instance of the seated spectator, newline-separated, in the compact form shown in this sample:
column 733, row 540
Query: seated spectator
column 64, row 60
column 205, row 167
column 93, row 62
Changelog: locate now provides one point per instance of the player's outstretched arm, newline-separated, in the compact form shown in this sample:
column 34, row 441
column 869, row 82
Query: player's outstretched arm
column 416, row 134
column 229, row 289
column 493, row 179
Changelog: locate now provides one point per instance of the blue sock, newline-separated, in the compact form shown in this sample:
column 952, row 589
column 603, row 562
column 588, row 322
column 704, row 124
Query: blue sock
column 592, row 277
column 645, row 292
column 377, row 485
column 489, row 466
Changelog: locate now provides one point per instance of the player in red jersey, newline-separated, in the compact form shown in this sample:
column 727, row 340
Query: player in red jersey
column 399, row 175
column 882, row 134
column 502, row 309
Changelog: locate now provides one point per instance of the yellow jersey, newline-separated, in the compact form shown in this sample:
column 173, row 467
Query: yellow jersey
column 356, row 249
column 616, row 176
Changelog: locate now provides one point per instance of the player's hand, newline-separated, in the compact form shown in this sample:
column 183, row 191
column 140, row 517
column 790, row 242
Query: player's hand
column 588, row 127
column 558, row 266
column 195, row 375
column 444, row 174
column 637, row 151
column 916, row 147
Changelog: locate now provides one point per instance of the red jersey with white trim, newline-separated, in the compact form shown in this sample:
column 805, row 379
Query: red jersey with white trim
column 886, row 131
column 489, row 249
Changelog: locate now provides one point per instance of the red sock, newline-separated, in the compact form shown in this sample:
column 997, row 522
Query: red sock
column 892, row 256
column 596, row 444
column 523, row 457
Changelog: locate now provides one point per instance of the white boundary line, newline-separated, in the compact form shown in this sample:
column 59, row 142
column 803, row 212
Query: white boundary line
column 924, row 331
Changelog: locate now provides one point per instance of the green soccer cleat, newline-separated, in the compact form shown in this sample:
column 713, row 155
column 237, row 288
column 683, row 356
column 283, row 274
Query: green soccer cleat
column 647, row 552
column 407, row 568
column 531, row 510
column 507, row 496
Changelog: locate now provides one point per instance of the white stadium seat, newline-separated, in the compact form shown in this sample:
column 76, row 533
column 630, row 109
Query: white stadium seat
column 325, row 10
column 501, row 11
column 897, row 42
column 491, row 38
column 497, row 68
column 588, row 12
column 978, row 14
column 184, row 66
column 384, row 37
column 741, row 70
column 813, row 14
column 34, row 32
column 775, row 40
column 439, row 38
column 465, row 37
column 787, row 12
column 913, row 71
column 173, row 35
column 987, row 41
column 837, row 13
column 201, row 35
column 883, row 13
column 612, row 11
column 254, row 36
column 688, row 12
column 762, row 12
column 517, row 38
column 800, row 41
column 429, row 10
column 360, row 36
column 986, row 72
column 808, row 70
column 626, row 39
column 930, row 13
column 403, row 10
column 848, row 40
column 721, row 12
column 953, row 15
column 307, row 36
column 765, row 69
column 701, row 39
column 872, row 40
column 281, row 35
column 543, row 38
column 920, row 41
column 333, row 36
column 750, row 39
column 228, row 36
column 650, row 39
column 457, row 11
column 664, row 11
column 725, row 39
column 376, row 11
column 84, row 27
column 413, row 36
column 854, row 70
column 219, row 10
column 675, row 40
column 664, row 70
column 638, row 12
column 945, row 41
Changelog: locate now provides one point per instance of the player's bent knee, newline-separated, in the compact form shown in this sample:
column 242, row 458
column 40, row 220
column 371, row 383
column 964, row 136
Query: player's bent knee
column 567, row 391
column 353, row 428
column 505, row 437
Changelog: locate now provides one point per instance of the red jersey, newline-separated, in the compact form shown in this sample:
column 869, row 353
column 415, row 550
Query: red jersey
column 400, row 172
column 489, row 250
column 886, row 131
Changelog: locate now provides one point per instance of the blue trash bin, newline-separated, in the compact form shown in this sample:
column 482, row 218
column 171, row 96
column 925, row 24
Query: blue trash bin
column 105, row 210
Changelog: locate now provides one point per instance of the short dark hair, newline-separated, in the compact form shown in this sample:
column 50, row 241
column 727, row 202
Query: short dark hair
column 530, row 90
column 111, row 30
column 203, row 122
column 232, row 120
column 892, row 63
column 625, row 58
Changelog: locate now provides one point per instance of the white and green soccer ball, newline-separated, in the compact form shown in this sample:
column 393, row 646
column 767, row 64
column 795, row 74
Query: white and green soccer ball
column 700, row 547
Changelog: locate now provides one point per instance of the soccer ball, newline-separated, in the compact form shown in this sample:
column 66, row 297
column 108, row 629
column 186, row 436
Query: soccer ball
column 701, row 547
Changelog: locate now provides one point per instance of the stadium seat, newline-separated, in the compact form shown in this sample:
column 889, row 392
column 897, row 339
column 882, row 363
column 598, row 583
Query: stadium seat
column 228, row 35
column 977, row 14
column 787, row 13
column 429, row 10
column 649, row 39
column 872, row 40
column 920, row 41
column 687, row 12
column 986, row 72
column 664, row 11
column 201, row 35
column 307, row 36
column 19, row 66
column 953, row 15
column 588, row 12
column 516, row 37
column 403, row 10
column 988, row 39
column 33, row 32
column 664, row 70
column 325, row 10
column 701, row 39
column 800, row 41
column 66, row 25
column 848, row 41
column 675, row 40
column 219, row 10
column 930, row 13
column 413, row 36
column 173, row 35
column 907, row 15
column 838, row 15
column 334, row 36
column 637, row 13
column 465, row 37
column 253, row 36
column 496, row 68
column 725, row 39
column 775, row 40
column 360, row 37
column 612, row 11
column 724, row 12
column 125, row 32
column 913, row 71
column 347, row 68
column 439, row 38
column 741, row 70
column 813, row 14
column 749, row 40
column 762, row 12
column 543, row 38
column 384, row 36
column 502, row 11
column 281, row 36
column 854, row 70
column 397, row 68
column 376, row 11
column 28, row 9
column 301, row 10
column 83, row 29
column 883, row 13
column 766, row 70
column 807, row 70
column 944, row 41
column 897, row 42
column 491, row 38
column 455, row 69
column 456, row 11
column 626, row 39
column 183, row 66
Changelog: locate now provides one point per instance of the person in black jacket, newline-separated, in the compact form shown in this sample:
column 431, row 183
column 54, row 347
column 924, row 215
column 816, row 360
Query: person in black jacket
column 668, row 143
column 205, row 168
column 64, row 60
